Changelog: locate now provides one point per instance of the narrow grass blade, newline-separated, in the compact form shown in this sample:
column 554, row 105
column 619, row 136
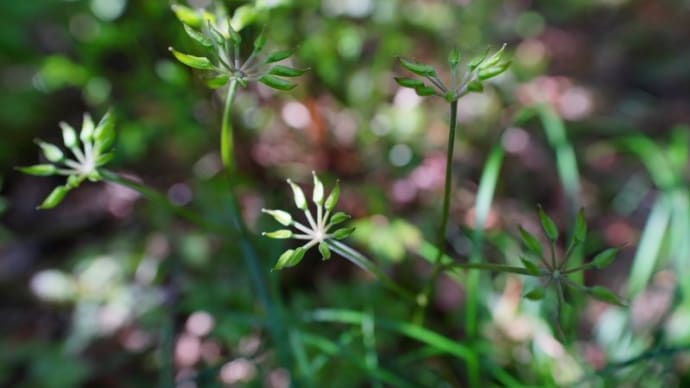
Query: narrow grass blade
column 650, row 245
column 485, row 196
column 333, row 349
column 415, row 332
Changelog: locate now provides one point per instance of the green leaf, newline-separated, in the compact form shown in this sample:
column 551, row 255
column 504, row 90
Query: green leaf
column 187, row 15
column 69, row 135
column 424, row 91
column 580, row 232
column 290, row 258
column 530, row 242
column 87, row 128
column 279, row 215
column 605, row 295
column 548, row 225
column 342, row 233
column 284, row 71
column 277, row 83
column 51, row 152
column 605, row 257
column 279, row 234
column 198, row 36
column 418, row 68
column 104, row 133
column 298, row 195
column 54, row 198
column 486, row 73
column 278, row 56
column 39, row 169
column 409, row 82
column 202, row 63
column 317, row 194
column 217, row 81
column 475, row 86
column 324, row 250
column 338, row 218
column 530, row 266
column 535, row 294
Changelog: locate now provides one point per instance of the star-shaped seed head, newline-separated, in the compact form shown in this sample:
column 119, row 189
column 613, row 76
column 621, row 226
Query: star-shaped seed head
column 319, row 229
column 90, row 151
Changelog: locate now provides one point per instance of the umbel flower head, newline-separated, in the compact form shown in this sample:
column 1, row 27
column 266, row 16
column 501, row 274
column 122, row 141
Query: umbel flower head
column 90, row 151
column 554, row 273
column 318, row 232
column 222, row 44
column 478, row 70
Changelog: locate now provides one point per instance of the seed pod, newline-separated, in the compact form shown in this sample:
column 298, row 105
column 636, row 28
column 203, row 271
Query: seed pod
column 332, row 197
column 548, row 225
column 281, row 216
column 69, row 135
column 317, row 194
column 54, row 198
column 605, row 257
column 324, row 250
column 298, row 195
column 278, row 56
column 279, row 234
column 202, row 63
column 530, row 242
column 39, row 169
column 418, row 68
column 277, row 83
column 51, row 152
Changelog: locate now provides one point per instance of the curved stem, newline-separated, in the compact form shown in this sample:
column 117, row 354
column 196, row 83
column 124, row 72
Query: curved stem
column 423, row 299
column 161, row 199
column 362, row 262
column 489, row 267
column 249, row 254
column 226, row 145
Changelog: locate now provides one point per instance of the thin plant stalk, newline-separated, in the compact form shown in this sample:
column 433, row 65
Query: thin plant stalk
column 362, row 262
column 423, row 299
column 249, row 254
column 226, row 141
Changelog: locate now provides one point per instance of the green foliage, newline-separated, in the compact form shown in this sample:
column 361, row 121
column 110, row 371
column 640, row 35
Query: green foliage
column 123, row 283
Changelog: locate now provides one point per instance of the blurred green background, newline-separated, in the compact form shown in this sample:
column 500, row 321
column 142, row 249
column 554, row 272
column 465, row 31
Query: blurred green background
column 110, row 290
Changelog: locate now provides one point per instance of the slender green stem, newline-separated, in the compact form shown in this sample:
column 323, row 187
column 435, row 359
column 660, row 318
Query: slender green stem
column 249, row 254
column 423, row 299
column 226, row 143
column 488, row 267
column 362, row 262
column 161, row 199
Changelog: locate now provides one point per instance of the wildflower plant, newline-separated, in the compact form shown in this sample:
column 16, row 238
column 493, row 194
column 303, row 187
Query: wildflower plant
column 478, row 70
column 222, row 45
column 318, row 231
column 553, row 272
column 463, row 80
column 91, row 150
